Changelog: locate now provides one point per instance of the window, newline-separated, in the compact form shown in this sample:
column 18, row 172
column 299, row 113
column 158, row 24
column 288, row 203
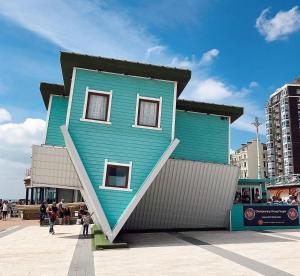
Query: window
column 116, row 176
column 148, row 112
column 97, row 106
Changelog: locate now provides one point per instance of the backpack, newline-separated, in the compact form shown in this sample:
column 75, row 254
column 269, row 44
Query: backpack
column 52, row 216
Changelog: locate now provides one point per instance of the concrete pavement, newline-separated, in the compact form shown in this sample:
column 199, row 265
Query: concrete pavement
column 204, row 253
column 30, row 250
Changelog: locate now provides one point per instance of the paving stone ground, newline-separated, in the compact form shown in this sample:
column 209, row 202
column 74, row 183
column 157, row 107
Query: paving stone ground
column 16, row 222
column 30, row 250
column 204, row 253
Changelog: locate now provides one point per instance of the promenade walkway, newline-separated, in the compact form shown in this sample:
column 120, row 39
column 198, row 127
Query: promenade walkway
column 30, row 250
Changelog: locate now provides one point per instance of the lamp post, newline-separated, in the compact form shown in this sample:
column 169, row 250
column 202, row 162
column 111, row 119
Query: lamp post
column 256, row 123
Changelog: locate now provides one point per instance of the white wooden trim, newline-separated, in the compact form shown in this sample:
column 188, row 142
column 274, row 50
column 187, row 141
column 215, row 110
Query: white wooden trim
column 109, row 93
column 85, row 103
column 129, row 165
column 136, row 109
column 120, row 74
column 138, row 98
column 104, row 172
column 143, row 189
column 149, row 98
column 90, row 196
column 174, row 110
column 115, row 189
column 48, row 116
column 70, row 97
column 95, row 121
column 159, row 112
column 147, row 127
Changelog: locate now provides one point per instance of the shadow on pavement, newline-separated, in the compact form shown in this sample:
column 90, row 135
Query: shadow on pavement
column 162, row 239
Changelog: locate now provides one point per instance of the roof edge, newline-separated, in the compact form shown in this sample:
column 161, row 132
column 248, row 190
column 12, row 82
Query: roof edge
column 69, row 60
column 234, row 112
column 48, row 89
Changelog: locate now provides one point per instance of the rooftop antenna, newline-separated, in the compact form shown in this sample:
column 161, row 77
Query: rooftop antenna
column 256, row 123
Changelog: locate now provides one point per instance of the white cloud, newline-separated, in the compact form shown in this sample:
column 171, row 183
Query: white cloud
column 253, row 84
column 209, row 56
column 214, row 90
column 90, row 27
column 22, row 134
column 4, row 115
column 155, row 50
column 217, row 91
column 81, row 26
column 210, row 90
column 192, row 63
column 280, row 26
column 16, row 140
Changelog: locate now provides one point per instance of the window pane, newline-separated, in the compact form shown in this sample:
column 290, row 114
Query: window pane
column 148, row 113
column 97, row 107
column 117, row 176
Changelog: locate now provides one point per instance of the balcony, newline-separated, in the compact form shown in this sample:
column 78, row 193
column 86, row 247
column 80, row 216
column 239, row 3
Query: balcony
column 288, row 180
column 52, row 167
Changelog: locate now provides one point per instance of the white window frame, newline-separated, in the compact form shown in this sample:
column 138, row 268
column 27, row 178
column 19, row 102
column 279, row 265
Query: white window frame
column 129, row 165
column 159, row 100
column 87, row 91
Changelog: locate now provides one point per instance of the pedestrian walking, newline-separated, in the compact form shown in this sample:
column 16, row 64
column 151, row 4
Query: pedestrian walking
column 4, row 210
column 86, row 222
column 52, row 219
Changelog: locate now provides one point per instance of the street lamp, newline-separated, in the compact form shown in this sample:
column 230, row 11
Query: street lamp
column 256, row 123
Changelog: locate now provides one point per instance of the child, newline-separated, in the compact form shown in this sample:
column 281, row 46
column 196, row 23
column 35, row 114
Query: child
column 52, row 219
column 86, row 222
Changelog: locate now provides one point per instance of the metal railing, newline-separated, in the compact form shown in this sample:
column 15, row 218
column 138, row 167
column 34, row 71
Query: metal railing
column 292, row 179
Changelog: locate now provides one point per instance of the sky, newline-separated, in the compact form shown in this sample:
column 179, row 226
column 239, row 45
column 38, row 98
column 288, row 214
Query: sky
column 239, row 53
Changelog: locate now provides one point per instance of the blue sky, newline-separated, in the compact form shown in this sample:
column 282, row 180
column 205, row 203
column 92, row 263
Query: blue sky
column 239, row 53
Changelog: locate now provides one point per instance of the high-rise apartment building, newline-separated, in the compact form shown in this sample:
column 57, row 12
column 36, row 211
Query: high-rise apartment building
column 283, row 131
column 246, row 159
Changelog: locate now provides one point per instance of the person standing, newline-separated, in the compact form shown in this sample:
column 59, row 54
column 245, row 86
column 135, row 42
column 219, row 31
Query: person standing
column 4, row 210
column 67, row 215
column 52, row 219
column 54, row 208
column 43, row 213
column 86, row 222
column 1, row 203
column 61, row 204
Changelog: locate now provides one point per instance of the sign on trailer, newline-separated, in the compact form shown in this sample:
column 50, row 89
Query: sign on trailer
column 273, row 215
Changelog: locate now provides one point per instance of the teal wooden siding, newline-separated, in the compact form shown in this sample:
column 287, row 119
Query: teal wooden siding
column 119, row 142
column 237, row 221
column 57, row 117
column 202, row 137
